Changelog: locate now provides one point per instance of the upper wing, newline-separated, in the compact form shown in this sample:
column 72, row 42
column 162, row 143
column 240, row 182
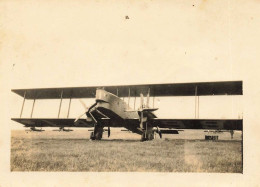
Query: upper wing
column 171, row 89
column 52, row 122
column 221, row 124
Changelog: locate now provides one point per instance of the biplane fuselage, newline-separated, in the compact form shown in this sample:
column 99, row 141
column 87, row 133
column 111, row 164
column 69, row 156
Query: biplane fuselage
column 110, row 106
column 113, row 107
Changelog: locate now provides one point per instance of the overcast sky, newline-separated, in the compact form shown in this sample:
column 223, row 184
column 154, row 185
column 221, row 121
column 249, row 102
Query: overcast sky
column 49, row 44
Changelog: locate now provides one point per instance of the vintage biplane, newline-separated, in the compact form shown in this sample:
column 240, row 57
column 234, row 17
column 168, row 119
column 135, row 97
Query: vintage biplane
column 110, row 110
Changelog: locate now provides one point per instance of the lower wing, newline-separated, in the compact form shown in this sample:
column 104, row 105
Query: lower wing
column 53, row 122
column 218, row 124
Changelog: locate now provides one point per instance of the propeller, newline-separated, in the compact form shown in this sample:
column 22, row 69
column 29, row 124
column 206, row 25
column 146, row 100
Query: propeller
column 141, row 113
column 88, row 113
column 83, row 104
column 86, row 110
column 144, row 109
column 79, row 117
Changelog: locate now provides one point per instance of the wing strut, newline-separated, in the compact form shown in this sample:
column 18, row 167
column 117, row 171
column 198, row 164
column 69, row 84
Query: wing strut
column 198, row 106
column 129, row 91
column 60, row 103
column 148, row 98
column 134, row 102
column 23, row 104
column 196, row 102
column 32, row 107
column 69, row 109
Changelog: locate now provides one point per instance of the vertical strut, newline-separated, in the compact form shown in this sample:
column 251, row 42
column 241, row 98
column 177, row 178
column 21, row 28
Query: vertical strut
column 134, row 102
column 23, row 104
column 32, row 108
column 153, row 101
column 69, row 109
column 60, row 103
column 198, row 106
column 196, row 102
column 129, row 92
column 148, row 98
column 141, row 124
column 117, row 92
column 146, row 131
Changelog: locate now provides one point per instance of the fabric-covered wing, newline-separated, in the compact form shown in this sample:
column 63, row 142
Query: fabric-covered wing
column 218, row 124
column 157, row 90
column 52, row 122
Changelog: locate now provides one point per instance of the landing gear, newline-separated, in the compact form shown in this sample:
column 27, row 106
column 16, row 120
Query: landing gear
column 232, row 133
column 147, row 137
column 148, row 134
column 92, row 137
column 98, row 133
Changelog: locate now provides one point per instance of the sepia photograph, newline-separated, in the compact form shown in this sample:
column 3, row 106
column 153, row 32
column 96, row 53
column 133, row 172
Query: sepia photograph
column 182, row 145
column 129, row 93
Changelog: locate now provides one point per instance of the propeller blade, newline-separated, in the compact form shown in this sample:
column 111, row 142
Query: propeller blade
column 83, row 104
column 86, row 109
column 79, row 117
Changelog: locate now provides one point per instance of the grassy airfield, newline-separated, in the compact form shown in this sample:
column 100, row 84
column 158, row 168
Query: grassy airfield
column 123, row 152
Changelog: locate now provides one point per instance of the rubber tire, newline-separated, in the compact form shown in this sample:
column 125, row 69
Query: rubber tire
column 143, row 138
column 92, row 137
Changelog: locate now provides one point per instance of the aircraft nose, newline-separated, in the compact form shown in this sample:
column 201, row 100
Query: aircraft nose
column 101, row 95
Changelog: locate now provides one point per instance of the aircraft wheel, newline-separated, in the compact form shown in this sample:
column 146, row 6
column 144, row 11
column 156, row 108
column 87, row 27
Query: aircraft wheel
column 98, row 132
column 150, row 136
column 92, row 137
column 143, row 138
column 98, row 136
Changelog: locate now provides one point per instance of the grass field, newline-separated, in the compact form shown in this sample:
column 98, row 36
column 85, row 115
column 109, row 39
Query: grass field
column 63, row 151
